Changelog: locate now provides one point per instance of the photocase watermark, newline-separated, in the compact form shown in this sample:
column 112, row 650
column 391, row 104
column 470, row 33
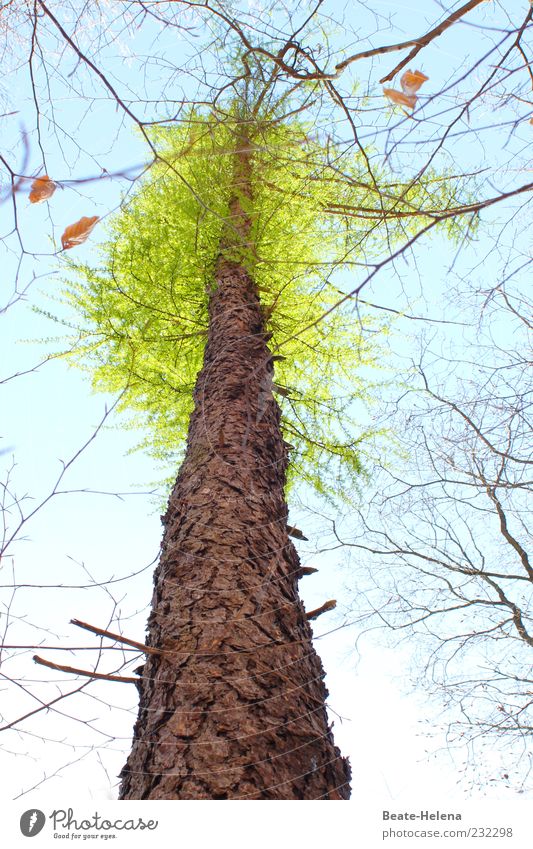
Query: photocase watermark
column 67, row 826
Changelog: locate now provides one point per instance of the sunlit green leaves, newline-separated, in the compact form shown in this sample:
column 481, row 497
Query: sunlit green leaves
column 317, row 218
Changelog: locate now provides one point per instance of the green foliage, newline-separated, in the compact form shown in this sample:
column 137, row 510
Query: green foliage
column 142, row 314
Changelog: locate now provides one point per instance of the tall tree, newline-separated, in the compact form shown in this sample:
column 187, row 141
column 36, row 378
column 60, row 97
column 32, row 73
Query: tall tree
column 232, row 699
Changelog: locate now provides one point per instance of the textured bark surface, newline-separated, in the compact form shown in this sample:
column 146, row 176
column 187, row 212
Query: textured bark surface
column 234, row 708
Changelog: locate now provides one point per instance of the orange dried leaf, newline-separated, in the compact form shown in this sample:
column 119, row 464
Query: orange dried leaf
column 42, row 188
column 76, row 234
column 400, row 97
column 531, row 120
column 411, row 81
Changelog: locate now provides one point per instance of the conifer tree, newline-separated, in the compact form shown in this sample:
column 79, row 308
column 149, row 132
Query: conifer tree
column 214, row 300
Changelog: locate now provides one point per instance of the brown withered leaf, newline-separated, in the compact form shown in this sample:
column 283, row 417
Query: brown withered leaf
column 76, row 234
column 42, row 188
column 400, row 97
column 411, row 81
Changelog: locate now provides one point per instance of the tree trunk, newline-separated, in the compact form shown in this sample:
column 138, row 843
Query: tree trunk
column 234, row 706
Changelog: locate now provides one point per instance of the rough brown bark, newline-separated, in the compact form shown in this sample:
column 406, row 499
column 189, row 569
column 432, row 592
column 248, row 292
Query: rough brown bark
column 235, row 707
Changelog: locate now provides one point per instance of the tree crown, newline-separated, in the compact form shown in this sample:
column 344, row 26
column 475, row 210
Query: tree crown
column 316, row 216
